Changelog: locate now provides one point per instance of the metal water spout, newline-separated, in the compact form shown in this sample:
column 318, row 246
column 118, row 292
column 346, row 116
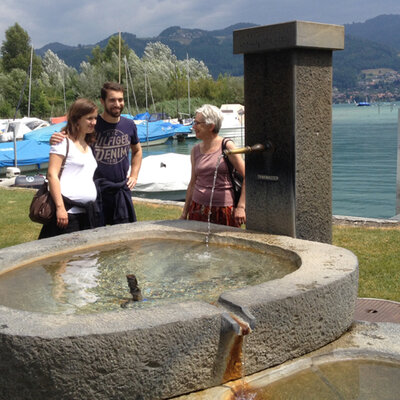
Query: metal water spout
column 250, row 149
column 244, row 327
column 233, row 343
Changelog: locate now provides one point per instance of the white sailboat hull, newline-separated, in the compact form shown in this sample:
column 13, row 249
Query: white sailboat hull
column 236, row 133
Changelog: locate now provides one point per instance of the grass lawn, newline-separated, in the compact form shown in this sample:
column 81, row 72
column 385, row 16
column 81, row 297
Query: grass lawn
column 377, row 249
column 378, row 252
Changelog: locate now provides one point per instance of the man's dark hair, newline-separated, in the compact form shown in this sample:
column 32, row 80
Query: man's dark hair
column 117, row 87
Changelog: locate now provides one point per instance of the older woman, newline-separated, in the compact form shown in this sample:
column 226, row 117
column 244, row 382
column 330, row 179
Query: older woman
column 204, row 158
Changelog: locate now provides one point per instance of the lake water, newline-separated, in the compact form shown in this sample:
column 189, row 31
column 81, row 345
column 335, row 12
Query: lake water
column 364, row 159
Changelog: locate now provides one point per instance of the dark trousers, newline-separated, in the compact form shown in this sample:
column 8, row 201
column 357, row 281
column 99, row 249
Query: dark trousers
column 76, row 222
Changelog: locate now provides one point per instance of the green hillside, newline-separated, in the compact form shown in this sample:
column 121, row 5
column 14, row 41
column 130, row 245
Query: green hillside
column 384, row 29
column 372, row 44
column 360, row 54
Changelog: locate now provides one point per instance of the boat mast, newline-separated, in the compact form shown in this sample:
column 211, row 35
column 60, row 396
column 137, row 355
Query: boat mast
column 145, row 87
column 151, row 94
column 15, row 116
column 176, row 84
column 30, row 83
column 188, row 79
column 65, row 101
column 147, row 120
column 119, row 57
column 127, row 84
column 131, row 83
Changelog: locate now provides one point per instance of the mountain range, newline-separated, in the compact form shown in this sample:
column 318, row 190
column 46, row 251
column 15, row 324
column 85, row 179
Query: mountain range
column 374, row 43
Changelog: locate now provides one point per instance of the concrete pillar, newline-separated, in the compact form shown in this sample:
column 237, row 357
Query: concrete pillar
column 288, row 101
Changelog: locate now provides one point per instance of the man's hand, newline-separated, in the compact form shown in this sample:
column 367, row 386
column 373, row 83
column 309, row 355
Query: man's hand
column 57, row 137
column 131, row 182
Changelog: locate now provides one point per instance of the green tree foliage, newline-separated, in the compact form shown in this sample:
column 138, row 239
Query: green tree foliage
column 229, row 90
column 16, row 51
column 104, row 65
column 360, row 54
column 158, row 81
column 100, row 55
column 41, row 107
column 11, row 86
column 383, row 29
column 90, row 81
column 159, row 76
column 57, row 79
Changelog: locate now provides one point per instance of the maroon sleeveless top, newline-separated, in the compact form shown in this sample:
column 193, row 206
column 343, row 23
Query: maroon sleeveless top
column 205, row 165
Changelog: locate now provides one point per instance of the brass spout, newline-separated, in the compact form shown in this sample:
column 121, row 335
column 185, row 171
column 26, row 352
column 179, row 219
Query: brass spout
column 247, row 149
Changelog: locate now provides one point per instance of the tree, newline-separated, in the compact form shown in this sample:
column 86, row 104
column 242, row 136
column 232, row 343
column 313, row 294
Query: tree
column 40, row 105
column 57, row 79
column 10, row 90
column 167, row 74
column 16, row 51
column 100, row 55
column 90, row 81
column 113, row 48
column 105, row 64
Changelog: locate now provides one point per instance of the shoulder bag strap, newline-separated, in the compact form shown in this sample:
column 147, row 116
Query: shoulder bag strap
column 228, row 162
column 65, row 159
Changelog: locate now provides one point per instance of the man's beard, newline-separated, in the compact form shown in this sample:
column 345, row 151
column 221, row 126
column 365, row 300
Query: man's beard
column 114, row 112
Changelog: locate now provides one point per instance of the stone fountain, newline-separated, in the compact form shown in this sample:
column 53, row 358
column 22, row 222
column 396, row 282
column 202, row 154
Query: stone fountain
column 181, row 347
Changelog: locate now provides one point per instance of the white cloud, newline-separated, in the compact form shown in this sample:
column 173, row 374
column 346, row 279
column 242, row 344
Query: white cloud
column 75, row 22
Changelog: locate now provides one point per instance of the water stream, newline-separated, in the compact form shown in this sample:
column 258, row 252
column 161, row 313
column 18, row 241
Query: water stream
column 367, row 379
column 211, row 199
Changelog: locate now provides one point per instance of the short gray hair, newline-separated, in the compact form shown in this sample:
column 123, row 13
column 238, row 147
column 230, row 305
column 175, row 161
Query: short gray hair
column 212, row 115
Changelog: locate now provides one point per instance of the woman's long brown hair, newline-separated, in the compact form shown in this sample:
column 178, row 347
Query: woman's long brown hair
column 77, row 110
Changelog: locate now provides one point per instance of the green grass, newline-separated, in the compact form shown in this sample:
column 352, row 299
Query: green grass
column 16, row 227
column 378, row 252
column 377, row 249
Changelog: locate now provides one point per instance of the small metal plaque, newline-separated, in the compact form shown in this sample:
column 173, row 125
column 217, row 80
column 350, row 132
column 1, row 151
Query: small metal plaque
column 272, row 178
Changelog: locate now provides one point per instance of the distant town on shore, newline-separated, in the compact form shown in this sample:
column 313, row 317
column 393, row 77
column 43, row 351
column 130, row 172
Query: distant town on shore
column 374, row 85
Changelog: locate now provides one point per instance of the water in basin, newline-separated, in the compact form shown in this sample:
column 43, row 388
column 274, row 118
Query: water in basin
column 364, row 379
column 167, row 271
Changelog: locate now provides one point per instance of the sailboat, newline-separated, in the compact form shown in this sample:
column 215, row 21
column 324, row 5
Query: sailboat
column 12, row 171
column 153, row 128
column 25, row 155
column 363, row 103
column 19, row 127
column 233, row 123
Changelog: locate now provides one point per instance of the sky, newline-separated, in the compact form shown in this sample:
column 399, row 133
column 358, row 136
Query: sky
column 74, row 22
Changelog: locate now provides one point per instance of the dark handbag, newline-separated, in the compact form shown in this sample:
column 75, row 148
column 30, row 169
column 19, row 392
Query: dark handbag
column 236, row 178
column 43, row 208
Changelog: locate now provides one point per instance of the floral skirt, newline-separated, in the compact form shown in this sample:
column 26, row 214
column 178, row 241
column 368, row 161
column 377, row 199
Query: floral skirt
column 219, row 215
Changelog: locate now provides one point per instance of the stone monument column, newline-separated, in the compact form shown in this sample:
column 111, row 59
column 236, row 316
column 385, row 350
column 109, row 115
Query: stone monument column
column 288, row 102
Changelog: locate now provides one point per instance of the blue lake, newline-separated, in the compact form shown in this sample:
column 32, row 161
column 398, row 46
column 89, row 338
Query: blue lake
column 364, row 159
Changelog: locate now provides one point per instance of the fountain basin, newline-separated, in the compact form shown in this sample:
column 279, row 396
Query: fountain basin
column 364, row 363
column 177, row 348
